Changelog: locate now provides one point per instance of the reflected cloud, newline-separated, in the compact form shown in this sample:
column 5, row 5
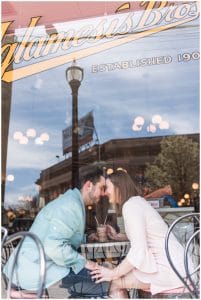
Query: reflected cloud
column 31, row 157
column 14, row 198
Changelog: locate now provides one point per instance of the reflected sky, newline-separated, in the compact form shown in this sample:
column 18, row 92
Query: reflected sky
column 117, row 97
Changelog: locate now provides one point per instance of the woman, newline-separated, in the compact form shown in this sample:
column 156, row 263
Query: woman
column 145, row 266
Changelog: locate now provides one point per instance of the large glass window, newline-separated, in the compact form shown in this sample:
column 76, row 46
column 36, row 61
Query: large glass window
column 140, row 81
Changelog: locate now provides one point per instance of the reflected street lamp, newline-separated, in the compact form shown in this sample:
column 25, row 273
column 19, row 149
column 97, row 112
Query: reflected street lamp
column 74, row 76
column 195, row 187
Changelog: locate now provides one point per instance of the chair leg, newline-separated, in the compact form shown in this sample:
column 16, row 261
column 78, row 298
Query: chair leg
column 47, row 294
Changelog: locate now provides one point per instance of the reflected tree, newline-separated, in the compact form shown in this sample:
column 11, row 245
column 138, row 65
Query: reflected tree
column 177, row 164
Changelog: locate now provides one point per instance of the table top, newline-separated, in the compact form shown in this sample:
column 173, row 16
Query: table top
column 105, row 244
column 108, row 251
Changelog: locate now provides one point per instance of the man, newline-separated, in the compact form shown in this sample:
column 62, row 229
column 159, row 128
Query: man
column 60, row 226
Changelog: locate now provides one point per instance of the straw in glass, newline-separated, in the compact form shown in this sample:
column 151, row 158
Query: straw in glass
column 105, row 219
column 96, row 220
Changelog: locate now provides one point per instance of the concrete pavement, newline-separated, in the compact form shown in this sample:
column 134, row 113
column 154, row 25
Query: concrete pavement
column 55, row 292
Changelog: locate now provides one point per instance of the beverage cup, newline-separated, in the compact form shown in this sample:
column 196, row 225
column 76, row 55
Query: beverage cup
column 102, row 233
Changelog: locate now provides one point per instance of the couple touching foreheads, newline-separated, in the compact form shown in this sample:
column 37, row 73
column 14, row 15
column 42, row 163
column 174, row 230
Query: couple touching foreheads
column 60, row 225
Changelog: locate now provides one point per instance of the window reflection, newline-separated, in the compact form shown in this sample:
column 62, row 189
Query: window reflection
column 138, row 92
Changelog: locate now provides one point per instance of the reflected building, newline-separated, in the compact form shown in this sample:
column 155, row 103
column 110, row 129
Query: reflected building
column 131, row 154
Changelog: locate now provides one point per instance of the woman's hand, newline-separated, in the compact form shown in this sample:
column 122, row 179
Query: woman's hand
column 111, row 232
column 102, row 274
column 113, row 235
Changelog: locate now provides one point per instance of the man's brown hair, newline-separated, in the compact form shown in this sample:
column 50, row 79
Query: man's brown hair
column 92, row 173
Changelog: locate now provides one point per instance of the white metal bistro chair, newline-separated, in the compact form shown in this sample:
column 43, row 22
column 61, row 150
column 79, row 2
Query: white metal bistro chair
column 4, row 233
column 187, row 230
column 8, row 246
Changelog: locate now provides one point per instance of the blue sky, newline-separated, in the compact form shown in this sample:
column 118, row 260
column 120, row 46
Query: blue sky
column 43, row 101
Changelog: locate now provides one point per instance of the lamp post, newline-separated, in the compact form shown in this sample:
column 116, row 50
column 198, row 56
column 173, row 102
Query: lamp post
column 74, row 76
column 97, row 139
column 195, row 187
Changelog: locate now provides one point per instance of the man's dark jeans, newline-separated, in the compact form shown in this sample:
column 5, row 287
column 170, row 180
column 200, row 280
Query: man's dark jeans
column 82, row 285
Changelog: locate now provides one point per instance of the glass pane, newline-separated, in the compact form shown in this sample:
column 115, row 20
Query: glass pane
column 141, row 83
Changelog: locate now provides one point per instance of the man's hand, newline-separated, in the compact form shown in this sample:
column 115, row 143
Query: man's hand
column 91, row 265
column 92, row 237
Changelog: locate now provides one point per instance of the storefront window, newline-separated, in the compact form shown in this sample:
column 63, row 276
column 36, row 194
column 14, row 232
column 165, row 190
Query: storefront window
column 141, row 80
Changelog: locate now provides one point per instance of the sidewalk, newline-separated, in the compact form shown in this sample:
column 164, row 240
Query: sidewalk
column 55, row 292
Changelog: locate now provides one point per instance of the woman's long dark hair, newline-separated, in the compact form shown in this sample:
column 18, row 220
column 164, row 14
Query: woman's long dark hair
column 124, row 186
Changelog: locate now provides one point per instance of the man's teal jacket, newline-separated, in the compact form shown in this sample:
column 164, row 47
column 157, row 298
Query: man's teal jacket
column 60, row 227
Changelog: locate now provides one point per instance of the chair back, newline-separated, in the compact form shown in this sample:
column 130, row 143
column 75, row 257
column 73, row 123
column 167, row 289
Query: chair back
column 8, row 245
column 4, row 233
column 187, row 230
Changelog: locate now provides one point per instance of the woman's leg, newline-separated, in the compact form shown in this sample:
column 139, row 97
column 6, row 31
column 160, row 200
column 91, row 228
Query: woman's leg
column 118, row 287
